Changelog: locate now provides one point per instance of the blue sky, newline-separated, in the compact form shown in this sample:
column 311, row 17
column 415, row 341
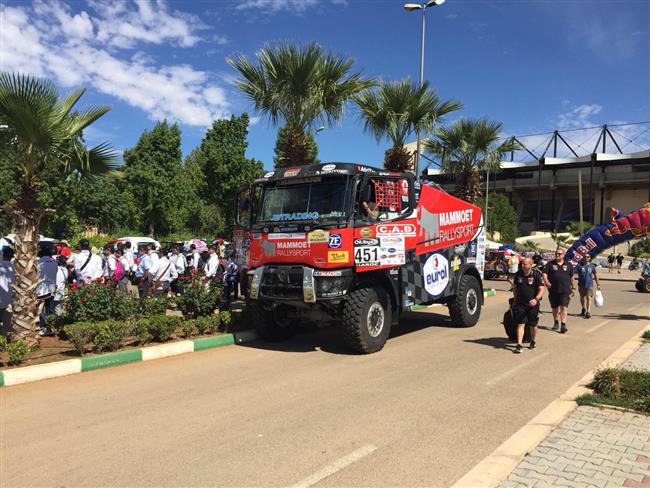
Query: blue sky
column 536, row 66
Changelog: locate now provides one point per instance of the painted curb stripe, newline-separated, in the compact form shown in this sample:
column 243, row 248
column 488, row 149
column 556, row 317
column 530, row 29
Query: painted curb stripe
column 167, row 350
column 208, row 342
column 111, row 359
column 38, row 372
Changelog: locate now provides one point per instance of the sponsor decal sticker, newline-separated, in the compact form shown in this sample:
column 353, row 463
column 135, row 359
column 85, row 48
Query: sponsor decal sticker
column 366, row 232
column 365, row 169
column 286, row 236
column 338, row 256
column 318, row 236
column 269, row 174
column 455, row 263
column 291, row 172
column 406, row 230
column 295, row 216
column 460, row 248
column 329, row 167
column 366, row 242
column 334, row 241
column 436, row 274
column 471, row 260
column 472, row 248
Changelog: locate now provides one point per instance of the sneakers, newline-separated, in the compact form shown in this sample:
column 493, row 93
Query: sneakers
column 587, row 315
column 556, row 326
column 563, row 329
column 582, row 314
column 533, row 345
column 519, row 349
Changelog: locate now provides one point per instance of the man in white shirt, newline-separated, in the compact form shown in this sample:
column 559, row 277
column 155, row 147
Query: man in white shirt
column 165, row 275
column 87, row 266
column 180, row 263
column 61, row 281
column 153, row 254
column 109, row 263
column 47, row 270
column 7, row 280
column 130, row 258
column 196, row 258
column 144, row 275
column 212, row 266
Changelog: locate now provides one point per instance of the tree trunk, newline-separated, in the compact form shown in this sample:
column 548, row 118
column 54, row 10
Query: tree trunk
column 26, row 306
column 296, row 151
column 468, row 185
column 397, row 158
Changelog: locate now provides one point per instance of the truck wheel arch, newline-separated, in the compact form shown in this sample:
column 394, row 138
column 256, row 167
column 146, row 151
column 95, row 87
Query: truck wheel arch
column 380, row 278
column 468, row 269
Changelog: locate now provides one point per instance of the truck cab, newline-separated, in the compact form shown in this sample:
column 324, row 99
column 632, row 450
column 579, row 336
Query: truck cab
column 350, row 244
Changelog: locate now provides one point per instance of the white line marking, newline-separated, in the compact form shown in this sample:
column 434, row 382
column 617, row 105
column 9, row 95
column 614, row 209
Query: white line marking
column 589, row 331
column 336, row 466
column 514, row 370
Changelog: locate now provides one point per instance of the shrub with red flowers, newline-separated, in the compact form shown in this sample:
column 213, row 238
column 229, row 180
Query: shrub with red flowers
column 98, row 301
column 199, row 300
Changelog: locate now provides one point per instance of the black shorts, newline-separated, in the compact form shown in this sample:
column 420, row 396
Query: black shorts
column 525, row 314
column 559, row 299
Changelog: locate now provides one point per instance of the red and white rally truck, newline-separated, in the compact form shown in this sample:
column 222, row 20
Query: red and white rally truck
column 351, row 244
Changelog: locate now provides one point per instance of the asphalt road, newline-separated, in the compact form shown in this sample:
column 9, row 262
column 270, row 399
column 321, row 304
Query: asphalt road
column 421, row 412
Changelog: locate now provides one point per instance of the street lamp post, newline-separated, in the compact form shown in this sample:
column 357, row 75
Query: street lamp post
column 409, row 7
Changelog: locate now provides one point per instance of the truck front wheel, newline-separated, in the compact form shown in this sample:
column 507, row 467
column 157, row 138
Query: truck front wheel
column 465, row 306
column 366, row 319
column 272, row 325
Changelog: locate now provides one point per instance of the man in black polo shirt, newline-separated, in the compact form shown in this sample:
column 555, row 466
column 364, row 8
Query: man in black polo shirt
column 528, row 290
column 559, row 279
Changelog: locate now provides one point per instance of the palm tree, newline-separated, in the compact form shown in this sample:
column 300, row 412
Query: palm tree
column 299, row 89
column 40, row 132
column 467, row 147
column 398, row 109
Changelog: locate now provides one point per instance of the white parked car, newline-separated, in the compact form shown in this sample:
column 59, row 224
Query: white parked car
column 136, row 242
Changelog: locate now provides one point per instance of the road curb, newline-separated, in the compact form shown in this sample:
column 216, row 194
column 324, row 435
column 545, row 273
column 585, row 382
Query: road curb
column 37, row 372
column 490, row 292
column 504, row 459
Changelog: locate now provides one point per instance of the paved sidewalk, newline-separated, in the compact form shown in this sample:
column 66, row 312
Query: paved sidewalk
column 593, row 447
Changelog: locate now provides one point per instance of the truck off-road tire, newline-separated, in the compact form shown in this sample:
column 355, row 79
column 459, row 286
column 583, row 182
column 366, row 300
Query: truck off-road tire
column 639, row 284
column 367, row 319
column 465, row 306
column 646, row 285
column 267, row 323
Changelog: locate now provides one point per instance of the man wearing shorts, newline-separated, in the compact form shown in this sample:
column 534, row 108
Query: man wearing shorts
column 586, row 277
column 558, row 278
column 528, row 290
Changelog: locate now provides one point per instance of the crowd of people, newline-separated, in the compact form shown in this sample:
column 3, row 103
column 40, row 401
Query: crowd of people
column 148, row 271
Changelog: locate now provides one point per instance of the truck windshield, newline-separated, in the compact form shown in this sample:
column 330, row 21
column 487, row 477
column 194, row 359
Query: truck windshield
column 321, row 201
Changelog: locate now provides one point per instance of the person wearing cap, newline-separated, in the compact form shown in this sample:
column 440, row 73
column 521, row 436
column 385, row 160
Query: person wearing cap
column 65, row 249
column 7, row 280
column 87, row 266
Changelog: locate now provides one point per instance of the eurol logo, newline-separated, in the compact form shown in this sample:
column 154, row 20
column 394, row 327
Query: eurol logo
column 436, row 274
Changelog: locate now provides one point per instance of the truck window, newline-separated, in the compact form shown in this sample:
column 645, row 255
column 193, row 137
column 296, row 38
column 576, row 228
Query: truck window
column 383, row 200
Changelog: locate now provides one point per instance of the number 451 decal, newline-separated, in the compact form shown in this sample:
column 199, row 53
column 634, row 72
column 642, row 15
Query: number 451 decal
column 366, row 254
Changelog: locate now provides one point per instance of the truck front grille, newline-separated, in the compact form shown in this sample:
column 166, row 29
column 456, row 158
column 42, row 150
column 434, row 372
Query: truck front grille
column 282, row 282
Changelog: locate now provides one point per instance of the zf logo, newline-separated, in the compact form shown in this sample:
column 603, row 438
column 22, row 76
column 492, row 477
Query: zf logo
column 334, row 241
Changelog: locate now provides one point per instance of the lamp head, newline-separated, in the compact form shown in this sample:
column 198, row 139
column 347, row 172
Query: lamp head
column 433, row 3
column 412, row 6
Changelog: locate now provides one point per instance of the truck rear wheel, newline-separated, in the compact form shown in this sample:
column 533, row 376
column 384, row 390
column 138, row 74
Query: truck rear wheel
column 367, row 319
column 272, row 325
column 465, row 307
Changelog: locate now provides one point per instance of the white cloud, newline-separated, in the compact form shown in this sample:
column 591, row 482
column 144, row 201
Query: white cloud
column 578, row 117
column 273, row 6
column 49, row 40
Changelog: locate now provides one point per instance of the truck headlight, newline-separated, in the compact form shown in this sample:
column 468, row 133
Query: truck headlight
column 332, row 287
column 255, row 282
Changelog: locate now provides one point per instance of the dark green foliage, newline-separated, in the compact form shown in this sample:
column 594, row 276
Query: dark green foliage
column 207, row 324
column 641, row 404
column 96, row 302
column 291, row 147
column 151, row 171
column 646, row 335
column 199, row 301
column 80, row 334
column 140, row 330
column 161, row 327
column 3, row 343
column 17, row 351
column 640, row 248
column 502, row 217
column 188, row 327
column 621, row 383
column 109, row 335
column 222, row 160
column 225, row 320
column 152, row 306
